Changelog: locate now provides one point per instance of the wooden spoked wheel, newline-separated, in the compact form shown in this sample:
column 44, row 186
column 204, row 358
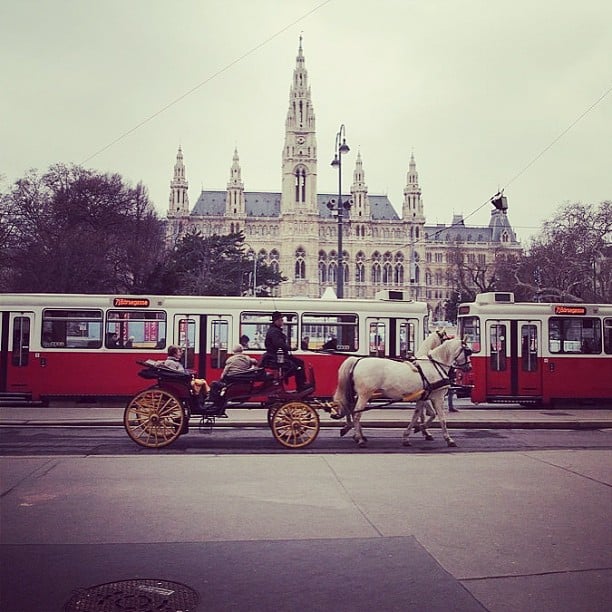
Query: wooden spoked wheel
column 271, row 410
column 154, row 418
column 295, row 424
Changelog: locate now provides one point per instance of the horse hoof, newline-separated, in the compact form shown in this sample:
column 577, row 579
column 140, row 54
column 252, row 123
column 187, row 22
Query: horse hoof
column 406, row 443
column 362, row 444
column 429, row 437
column 451, row 443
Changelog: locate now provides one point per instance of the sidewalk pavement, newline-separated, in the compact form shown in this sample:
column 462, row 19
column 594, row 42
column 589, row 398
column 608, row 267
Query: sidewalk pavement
column 470, row 416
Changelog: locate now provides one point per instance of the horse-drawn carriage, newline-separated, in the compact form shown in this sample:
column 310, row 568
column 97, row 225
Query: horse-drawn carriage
column 157, row 416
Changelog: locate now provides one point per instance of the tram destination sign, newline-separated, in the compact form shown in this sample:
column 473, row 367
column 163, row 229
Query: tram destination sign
column 123, row 302
column 570, row 310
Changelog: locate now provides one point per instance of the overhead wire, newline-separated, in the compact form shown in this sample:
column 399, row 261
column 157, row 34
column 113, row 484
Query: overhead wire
column 205, row 81
column 514, row 178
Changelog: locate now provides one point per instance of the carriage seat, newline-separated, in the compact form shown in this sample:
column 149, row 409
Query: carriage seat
column 252, row 375
column 154, row 369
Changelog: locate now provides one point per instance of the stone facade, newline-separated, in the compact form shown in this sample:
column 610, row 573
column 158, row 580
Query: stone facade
column 296, row 231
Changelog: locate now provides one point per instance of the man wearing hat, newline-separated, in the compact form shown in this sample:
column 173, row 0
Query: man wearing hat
column 275, row 340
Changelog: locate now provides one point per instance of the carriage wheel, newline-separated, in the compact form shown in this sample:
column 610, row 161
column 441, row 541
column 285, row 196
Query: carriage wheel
column 154, row 418
column 271, row 410
column 295, row 424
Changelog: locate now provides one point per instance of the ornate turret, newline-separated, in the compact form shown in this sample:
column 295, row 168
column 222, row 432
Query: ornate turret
column 360, row 211
column 179, row 199
column 234, row 203
column 412, row 209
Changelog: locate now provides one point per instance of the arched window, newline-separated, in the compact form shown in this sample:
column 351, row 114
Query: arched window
column 300, row 184
column 360, row 268
column 300, row 264
column 376, row 273
column 332, row 272
column 399, row 274
column 322, row 267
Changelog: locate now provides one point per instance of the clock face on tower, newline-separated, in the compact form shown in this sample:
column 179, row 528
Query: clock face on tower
column 300, row 140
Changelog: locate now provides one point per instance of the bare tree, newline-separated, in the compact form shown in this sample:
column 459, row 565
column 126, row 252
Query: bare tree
column 73, row 230
column 570, row 259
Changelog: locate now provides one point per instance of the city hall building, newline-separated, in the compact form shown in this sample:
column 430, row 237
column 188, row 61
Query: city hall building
column 296, row 230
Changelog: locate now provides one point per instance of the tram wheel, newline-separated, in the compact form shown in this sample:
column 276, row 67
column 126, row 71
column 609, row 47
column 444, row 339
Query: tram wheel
column 295, row 424
column 154, row 418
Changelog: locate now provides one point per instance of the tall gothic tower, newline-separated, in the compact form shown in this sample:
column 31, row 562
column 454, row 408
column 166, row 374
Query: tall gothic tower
column 234, row 201
column 299, row 181
column 179, row 198
column 360, row 211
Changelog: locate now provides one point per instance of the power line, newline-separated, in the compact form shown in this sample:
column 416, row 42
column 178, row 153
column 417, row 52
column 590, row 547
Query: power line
column 563, row 133
column 205, row 81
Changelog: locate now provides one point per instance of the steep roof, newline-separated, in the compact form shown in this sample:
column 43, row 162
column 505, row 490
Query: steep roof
column 267, row 204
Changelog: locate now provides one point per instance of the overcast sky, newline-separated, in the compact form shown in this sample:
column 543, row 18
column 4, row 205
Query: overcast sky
column 477, row 89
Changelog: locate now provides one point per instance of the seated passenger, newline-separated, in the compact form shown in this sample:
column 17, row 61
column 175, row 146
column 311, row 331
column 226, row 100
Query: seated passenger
column 238, row 362
column 173, row 362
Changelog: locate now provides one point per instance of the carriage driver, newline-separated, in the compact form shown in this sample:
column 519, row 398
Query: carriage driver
column 275, row 341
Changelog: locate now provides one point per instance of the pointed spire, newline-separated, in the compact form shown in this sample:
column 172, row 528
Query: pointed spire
column 179, row 199
column 235, row 172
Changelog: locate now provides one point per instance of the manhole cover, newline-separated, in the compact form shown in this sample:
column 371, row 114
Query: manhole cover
column 142, row 595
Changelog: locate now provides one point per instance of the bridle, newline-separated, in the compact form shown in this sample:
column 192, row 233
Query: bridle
column 442, row 335
column 466, row 364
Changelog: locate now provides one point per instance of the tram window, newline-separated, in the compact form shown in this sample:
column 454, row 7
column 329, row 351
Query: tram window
column 220, row 340
column 529, row 348
column 186, row 339
column 377, row 336
column 137, row 329
column 498, row 347
column 406, row 339
column 21, row 342
column 574, row 336
column 608, row 336
column 331, row 331
column 469, row 328
column 255, row 324
column 71, row 328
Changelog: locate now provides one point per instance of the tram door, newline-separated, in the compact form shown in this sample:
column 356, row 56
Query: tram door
column 18, row 368
column 391, row 337
column 514, row 368
column 187, row 336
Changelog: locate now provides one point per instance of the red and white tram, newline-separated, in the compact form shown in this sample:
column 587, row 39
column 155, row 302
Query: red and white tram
column 58, row 346
column 534, row 353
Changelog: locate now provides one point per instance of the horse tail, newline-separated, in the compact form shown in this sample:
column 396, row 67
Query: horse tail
column 344, row 395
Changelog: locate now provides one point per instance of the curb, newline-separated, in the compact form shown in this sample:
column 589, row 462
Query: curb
column 229, row 424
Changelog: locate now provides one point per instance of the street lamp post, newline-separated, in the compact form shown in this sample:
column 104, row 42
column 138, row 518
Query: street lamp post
column 253, row 253
column 340, row 149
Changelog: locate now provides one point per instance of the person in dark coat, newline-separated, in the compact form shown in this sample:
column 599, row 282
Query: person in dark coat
column 275, row 340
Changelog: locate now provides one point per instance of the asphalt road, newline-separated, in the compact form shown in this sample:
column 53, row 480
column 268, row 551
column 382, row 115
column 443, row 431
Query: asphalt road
column 94, row 440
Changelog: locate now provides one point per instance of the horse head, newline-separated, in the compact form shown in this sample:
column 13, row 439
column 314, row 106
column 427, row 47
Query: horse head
column 442, row 335
column 464, row 354
column 453, row 352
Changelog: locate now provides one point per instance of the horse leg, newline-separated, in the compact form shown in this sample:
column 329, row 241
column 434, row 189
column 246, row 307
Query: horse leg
column 412, row 425
column 358, row 435
column 438, row 404
column 348, row 425
column 425, row 408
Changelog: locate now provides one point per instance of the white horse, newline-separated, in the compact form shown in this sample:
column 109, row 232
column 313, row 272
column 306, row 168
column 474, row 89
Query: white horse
column 422, row 408
column 425, row 379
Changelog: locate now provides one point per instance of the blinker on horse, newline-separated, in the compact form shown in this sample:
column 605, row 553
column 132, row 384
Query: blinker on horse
column 362, row 378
